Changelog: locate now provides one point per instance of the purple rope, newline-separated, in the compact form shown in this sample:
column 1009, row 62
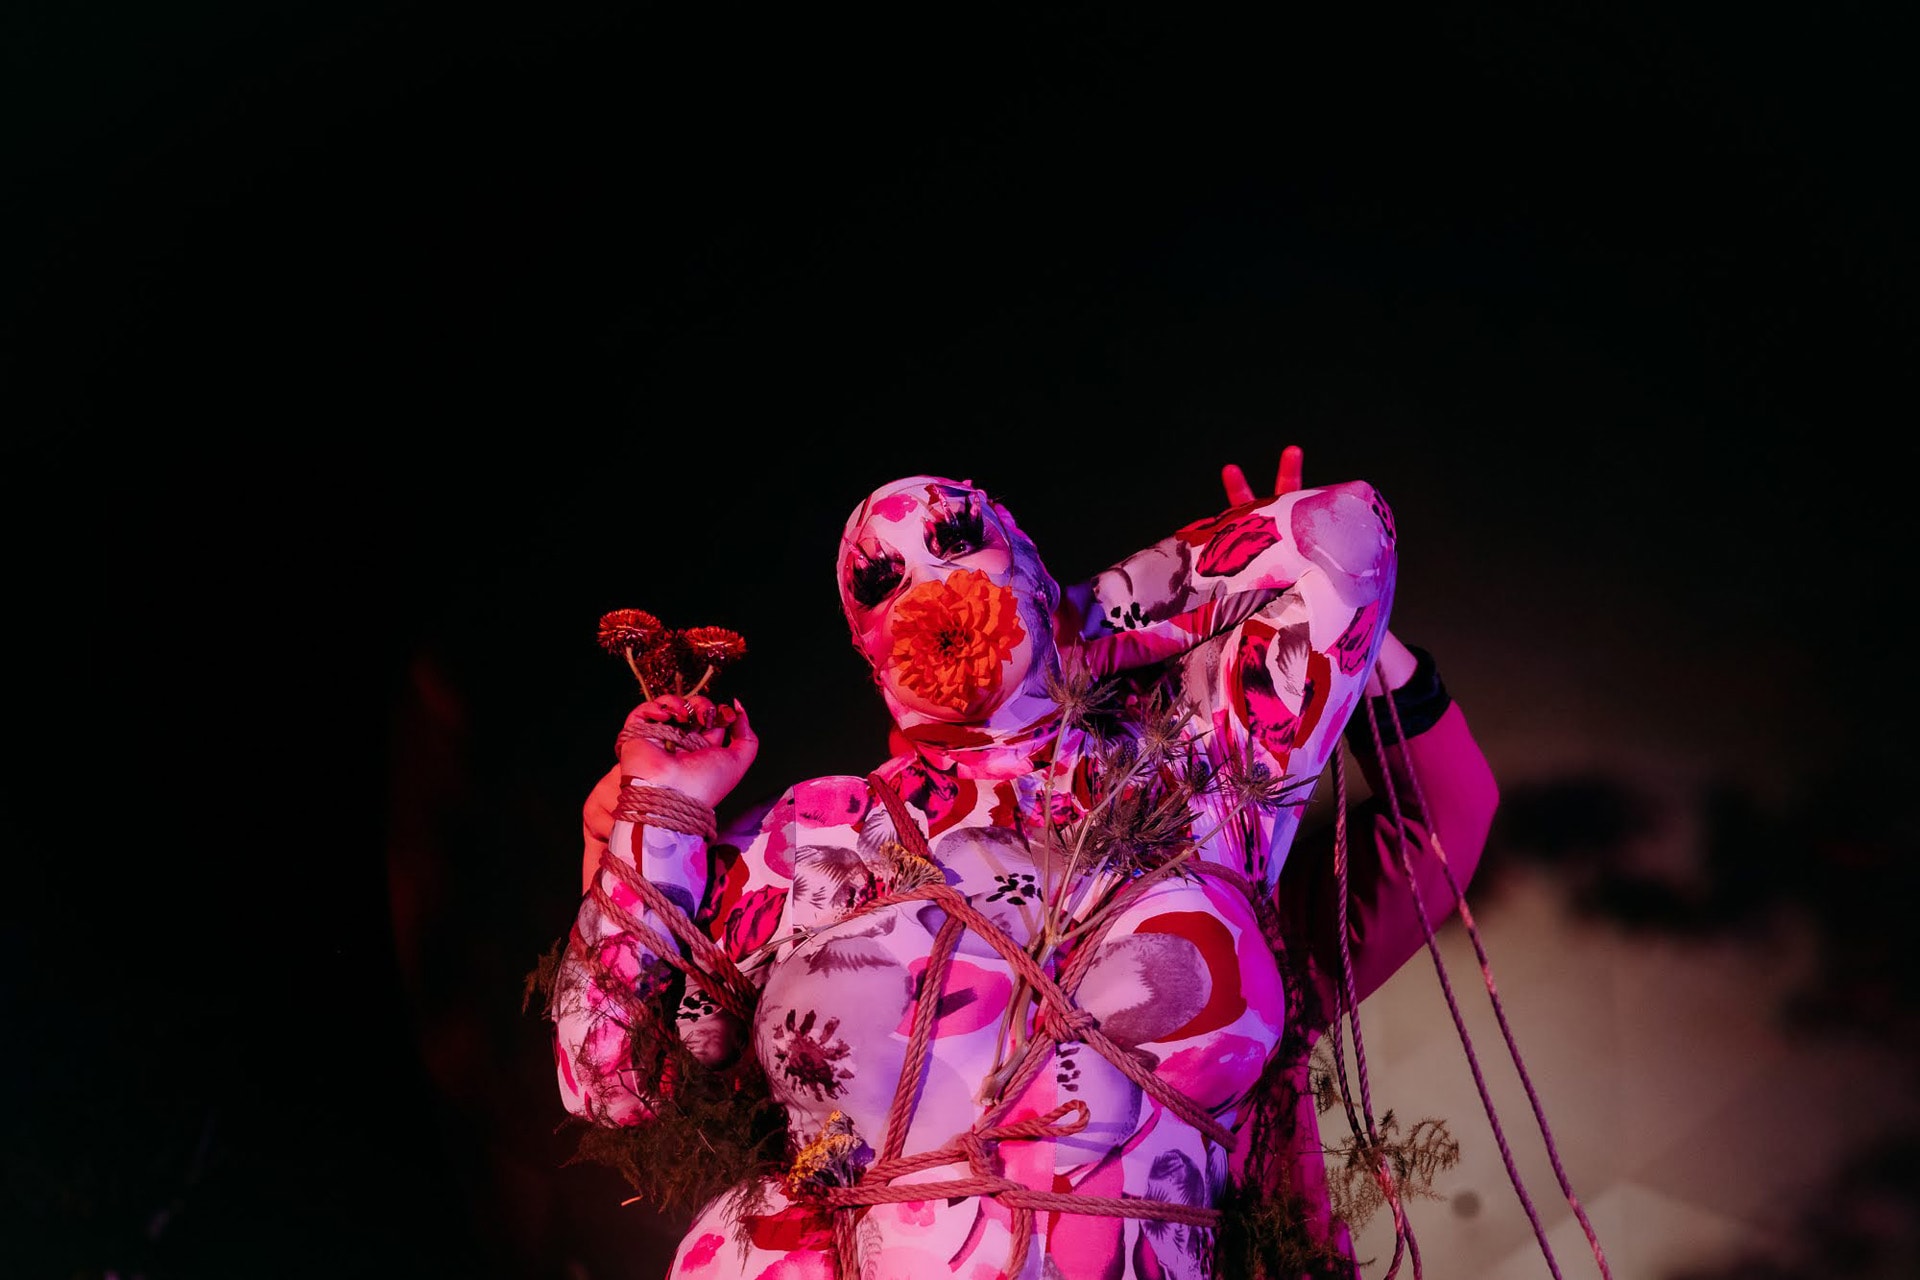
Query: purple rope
column 1493, row 995
column 1349, row 999
column 1348, row 1013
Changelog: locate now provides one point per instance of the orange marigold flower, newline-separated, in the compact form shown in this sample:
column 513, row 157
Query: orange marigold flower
column 626, row 629
column 951, row 637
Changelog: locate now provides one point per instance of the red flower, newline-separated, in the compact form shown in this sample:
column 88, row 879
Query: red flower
column 1232, row 544
column 798, row 1226
column 715, row 646
column 1351, row 647
column 625, row 629
column 752, row 921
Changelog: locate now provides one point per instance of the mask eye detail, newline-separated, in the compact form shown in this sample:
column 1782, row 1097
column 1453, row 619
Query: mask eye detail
column 873, row 573
column 954, row 533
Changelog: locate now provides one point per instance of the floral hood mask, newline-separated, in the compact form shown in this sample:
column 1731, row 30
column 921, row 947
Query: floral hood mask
column 949, row 604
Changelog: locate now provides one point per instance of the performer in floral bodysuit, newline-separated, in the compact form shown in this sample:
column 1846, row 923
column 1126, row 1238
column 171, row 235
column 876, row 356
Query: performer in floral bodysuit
column 1018, row 988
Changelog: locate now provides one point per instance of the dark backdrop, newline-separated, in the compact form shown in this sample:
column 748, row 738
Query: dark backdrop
column 358, row 357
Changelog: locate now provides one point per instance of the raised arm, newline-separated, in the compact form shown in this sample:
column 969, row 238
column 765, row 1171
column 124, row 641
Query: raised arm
column 1214, row 574
column 1271, row 617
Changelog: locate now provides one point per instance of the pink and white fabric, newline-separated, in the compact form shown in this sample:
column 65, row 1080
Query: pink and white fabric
column 1273, row 612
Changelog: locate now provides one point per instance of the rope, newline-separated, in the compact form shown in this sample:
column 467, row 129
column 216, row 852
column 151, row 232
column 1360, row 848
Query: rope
column 1493, row 995
column 1058, row 1020
column 670, row 736
column 1051, row 996
column 708, row 965
column 666, row 808
column 1349, row 1014
column 877, row 1186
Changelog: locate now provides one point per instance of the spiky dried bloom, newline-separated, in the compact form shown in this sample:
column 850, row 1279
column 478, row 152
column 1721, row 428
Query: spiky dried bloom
column 626, row 630
column 1151, row 773
column 1143, row 829
column 1141, row 817
column 1250, row 784
column 1085, row 702
column 714, row 646
column 1163, row 728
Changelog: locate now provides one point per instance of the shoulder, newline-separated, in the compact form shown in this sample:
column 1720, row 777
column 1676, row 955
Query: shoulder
column 834, row 800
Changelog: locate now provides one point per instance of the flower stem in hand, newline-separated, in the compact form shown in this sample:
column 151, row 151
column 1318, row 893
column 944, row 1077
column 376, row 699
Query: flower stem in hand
column 633, row 664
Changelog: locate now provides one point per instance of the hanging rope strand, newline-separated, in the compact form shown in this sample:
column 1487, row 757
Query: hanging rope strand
column 1349, row 1015
column 1446, row 985
column 1493, row 996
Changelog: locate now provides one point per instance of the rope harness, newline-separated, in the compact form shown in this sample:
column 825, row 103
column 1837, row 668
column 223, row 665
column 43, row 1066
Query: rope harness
column 1058, row 1021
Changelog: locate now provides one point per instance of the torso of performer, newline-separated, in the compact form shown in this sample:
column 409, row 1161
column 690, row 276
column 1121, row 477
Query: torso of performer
column 1074, row 1026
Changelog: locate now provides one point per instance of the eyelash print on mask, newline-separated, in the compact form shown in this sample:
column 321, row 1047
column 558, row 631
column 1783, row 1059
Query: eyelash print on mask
column 874, row 572
column 953, row 533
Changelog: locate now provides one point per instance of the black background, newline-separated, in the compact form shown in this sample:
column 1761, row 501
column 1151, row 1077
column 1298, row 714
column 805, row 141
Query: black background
column 357, row 358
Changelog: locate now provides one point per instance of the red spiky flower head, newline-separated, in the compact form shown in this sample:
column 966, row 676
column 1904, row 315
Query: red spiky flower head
column 715, row 647
column 624, row 630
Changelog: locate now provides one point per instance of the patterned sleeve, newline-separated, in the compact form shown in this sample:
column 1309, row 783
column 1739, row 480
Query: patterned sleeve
column 1215, row 573
column 1271, row 613
column 615, row 983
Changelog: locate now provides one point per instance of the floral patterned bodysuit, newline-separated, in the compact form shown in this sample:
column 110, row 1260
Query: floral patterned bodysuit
column 1271, row 616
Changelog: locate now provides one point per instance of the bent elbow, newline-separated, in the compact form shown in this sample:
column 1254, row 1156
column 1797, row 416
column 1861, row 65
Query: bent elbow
column 1347, row 530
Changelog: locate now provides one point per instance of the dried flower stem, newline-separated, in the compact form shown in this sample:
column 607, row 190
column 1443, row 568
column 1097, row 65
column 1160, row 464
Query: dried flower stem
column 1139, row 827
column 633, row 664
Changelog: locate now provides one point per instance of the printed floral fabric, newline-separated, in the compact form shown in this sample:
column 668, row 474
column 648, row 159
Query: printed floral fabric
column 1272, row 613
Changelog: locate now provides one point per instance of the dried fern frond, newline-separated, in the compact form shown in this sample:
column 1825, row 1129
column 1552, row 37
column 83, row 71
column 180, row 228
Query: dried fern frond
column 1355, row 1179
column 714, row 1130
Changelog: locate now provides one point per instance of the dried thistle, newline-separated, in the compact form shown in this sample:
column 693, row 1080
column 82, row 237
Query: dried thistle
column 1139, row 822
column 1163, row 728
column 1250, row 784
column 1085, row 702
